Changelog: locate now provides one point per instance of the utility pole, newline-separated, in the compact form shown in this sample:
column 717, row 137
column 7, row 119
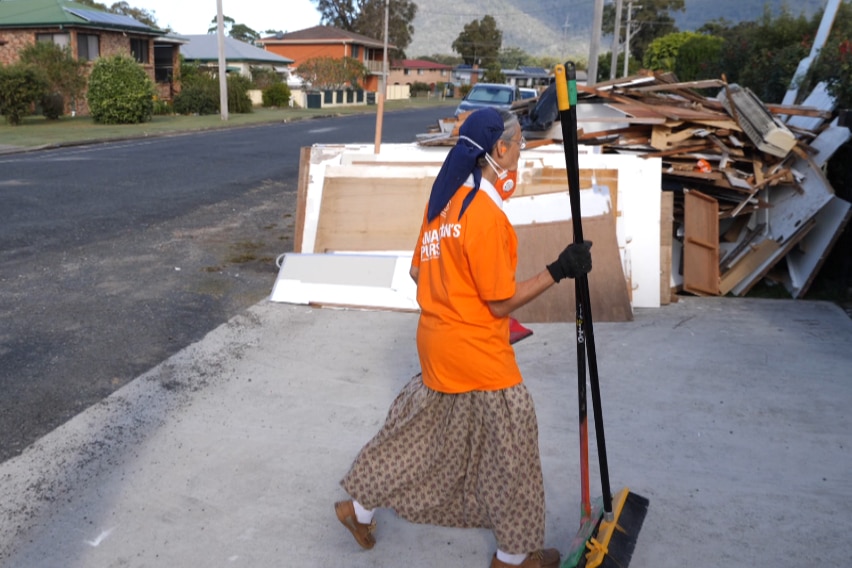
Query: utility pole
column 616, row 39
column 223, row 69
column 597, row 22
column 384, row 83
column 627, row 34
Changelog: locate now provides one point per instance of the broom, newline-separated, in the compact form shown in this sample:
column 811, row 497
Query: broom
column 608, row 532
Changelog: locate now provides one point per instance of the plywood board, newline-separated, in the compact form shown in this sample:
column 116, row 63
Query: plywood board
column 540, row 244
column 758, row 254
column 364, row 214
column 701, row 244
column 743, row 287
column 302, row 195
column 635, row 205
column 353, row 280
column 805, row 260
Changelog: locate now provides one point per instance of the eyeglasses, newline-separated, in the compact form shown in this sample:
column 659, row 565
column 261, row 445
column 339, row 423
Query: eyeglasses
column 522, row 143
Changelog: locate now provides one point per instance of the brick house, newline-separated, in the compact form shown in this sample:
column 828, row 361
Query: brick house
column 327, row 41
column 90, row 34
column 408, row 71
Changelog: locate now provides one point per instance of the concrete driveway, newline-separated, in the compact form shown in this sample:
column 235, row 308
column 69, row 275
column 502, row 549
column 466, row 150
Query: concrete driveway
column 730, row 415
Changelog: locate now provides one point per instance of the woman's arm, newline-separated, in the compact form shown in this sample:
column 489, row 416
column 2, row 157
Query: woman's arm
column 525, row 292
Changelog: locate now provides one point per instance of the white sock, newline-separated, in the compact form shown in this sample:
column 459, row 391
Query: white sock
column 363, row 515
column 514, row 559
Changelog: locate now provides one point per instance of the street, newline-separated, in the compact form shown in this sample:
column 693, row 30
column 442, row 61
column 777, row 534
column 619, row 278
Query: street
column 115, row 256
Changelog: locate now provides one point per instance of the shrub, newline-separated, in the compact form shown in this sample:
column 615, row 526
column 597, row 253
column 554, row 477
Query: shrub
column 277, row 95
column 238, row 99
column 53, row 106
column 418, row 87
column 120, row 92
column 264, row 77
column 65, row 76
column 162, row 107
column 20, row 87
column 198, row 96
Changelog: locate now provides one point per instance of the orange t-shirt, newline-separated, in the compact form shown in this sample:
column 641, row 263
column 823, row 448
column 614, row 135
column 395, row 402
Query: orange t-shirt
column 463, row 265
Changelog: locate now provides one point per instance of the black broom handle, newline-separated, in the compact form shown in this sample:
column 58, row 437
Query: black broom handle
column 568, row 118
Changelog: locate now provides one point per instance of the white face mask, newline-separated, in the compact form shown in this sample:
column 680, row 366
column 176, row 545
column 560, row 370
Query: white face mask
column 506, row 181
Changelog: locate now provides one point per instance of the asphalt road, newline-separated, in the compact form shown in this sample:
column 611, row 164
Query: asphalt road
column 115, row 256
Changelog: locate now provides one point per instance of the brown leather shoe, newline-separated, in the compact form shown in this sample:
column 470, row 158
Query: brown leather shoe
column 545, row 558
column 362, row 532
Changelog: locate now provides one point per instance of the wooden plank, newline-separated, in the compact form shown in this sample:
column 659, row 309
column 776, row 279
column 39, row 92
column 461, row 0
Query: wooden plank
column 703, row 84
column 302, row 195
column 748, row 263
column 666, row 228
column 540, row 244
column 742, row 288
column 549, row 179
column 701, row 244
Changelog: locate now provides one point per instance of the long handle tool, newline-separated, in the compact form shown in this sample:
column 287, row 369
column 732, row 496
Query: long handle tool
column 606, row 546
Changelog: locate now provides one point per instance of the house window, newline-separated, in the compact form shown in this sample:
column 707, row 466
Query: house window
column 356, row 51
column 62, row 40
column 406, row 71
column 88, row 48
column 443, row 72
column 139, row 50
column 420, row 71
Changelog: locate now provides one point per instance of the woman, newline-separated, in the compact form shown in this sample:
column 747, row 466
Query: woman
column 459, row 446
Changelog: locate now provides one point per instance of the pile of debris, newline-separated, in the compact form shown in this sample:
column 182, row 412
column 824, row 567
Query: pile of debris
column 746, row 177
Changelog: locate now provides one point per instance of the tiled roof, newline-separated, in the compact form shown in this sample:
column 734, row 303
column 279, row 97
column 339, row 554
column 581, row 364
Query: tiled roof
column 206, row 48
column 322, row 34
column 418, row 64
column 32, row 13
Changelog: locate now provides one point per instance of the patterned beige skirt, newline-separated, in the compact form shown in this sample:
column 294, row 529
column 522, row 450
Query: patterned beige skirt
column 457, row 460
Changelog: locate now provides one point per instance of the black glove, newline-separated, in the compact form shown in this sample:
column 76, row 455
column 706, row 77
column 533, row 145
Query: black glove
column 572, row 262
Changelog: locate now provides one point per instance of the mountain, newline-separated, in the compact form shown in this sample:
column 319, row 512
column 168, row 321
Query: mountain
column 562, row 28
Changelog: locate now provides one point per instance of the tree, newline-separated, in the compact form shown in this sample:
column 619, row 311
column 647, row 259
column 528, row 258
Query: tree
column 513, row 57
column 140, row 14
column 479, row 42
column 328, row 73
column 214, row 24
column 494, row 74
column 661, row 54
column 124, row 9
column 452, row 60
column 64, row 75
column 237, row 31
column 367, row 17
column 764, row 55
column 649, row 20
column 834, row 64
column 698, row 58
column 244, row 33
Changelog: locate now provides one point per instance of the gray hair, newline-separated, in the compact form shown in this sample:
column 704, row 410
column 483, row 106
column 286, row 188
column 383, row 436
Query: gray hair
column 510, row 126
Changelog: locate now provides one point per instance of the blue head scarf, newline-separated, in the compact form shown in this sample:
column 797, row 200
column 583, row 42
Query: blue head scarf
column 483, row 127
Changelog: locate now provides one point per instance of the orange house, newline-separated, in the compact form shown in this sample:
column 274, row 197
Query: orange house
column 326, row 41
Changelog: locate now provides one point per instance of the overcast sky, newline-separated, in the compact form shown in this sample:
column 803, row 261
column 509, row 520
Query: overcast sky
column 195, row 16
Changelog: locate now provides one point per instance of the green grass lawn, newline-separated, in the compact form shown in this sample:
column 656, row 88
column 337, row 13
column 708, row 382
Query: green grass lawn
column 37, row 131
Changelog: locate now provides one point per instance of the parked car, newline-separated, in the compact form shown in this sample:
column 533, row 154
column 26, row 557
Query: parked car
column 494, row 95
column 527, row 93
